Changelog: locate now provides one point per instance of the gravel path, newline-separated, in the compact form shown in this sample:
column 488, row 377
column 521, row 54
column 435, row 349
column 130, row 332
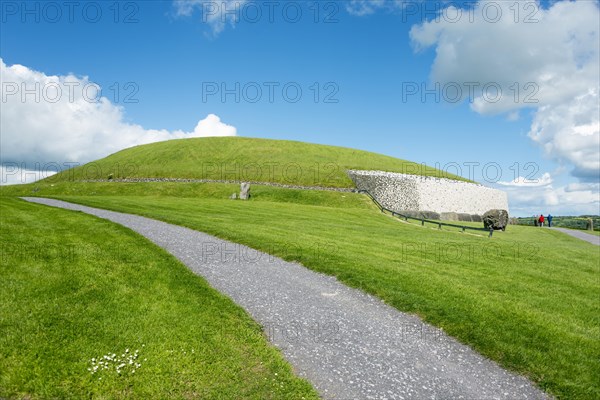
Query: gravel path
column 349, row 345
column 588, row 237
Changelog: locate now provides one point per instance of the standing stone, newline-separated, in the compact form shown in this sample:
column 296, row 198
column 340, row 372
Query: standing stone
column 233, row 196
column 245, row 191
column 495, row 219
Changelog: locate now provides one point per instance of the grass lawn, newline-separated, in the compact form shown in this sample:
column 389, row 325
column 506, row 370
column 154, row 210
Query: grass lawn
column 243, row 159
column 188, row 190
column 75, row 288
column 527, row 298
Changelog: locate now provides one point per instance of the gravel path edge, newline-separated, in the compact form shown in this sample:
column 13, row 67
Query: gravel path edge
column 348, row 344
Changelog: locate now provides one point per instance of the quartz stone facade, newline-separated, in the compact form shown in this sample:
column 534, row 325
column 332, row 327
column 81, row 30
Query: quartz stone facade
column 427, row 196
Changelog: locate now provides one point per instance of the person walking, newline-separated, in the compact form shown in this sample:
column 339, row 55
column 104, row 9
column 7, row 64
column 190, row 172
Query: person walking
column 549, row 218
column 541, row 219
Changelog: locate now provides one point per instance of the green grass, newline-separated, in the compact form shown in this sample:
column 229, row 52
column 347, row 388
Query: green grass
column 244, row 159
column 74, row 287
column 527, row 298
column 188, row 190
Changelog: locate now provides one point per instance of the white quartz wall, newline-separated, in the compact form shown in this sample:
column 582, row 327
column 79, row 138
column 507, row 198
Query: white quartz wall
column 402, row 192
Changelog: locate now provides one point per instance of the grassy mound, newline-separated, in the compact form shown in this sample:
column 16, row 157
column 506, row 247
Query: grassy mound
column 243, row 159
column 527, row 298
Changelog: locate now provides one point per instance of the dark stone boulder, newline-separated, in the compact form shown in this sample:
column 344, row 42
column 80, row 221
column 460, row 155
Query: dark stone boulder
column 497, row 219
column 476, row 218
column 411, row 214
column 449, row 216
column 421, row 214
column 430, row 215
column 464, row 217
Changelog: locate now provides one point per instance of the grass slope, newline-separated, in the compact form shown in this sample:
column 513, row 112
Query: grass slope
column 74, row 287
column 188, row 190
column 527, row 299
column 244, row 159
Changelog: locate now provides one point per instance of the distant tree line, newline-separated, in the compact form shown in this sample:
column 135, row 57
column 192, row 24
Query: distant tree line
column 580, row 222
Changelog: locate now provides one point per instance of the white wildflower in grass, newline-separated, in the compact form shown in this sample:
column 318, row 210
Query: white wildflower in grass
column 126, row 362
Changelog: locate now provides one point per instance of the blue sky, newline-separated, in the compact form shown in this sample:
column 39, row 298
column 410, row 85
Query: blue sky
column 366, row 53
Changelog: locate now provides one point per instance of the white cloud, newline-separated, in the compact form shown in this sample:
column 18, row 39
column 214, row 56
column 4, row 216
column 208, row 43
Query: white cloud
column 214, row 13
column 570, row 132
column 550, row 55
column 13, row 174
column 576, row 187
column 544, row 180
column 71, row 127
column 528, row 197
column 212, row 126
column 363, row 7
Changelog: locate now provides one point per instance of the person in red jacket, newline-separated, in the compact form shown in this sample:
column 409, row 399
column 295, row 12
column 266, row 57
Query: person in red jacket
column 541, row 219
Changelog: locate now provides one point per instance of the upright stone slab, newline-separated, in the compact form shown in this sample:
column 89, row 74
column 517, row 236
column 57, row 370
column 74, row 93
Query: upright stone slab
column 245, row 191
column 495, row 219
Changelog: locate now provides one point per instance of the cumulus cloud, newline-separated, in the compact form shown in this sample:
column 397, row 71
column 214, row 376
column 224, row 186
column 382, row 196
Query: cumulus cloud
column 216, row 14
column 364, row 7
column 409, row 8
column 544, row 180
column 212, row 126
column 570, row 132
column 14, row 173
column 528, row 197
column 544, row 59
column 60, row 119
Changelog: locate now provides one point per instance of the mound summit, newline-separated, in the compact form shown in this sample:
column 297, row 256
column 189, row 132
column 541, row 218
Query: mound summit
column 244, row 159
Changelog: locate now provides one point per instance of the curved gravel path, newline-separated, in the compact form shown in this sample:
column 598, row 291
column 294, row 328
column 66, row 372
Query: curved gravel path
column 349, row 345
column 580, row 235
